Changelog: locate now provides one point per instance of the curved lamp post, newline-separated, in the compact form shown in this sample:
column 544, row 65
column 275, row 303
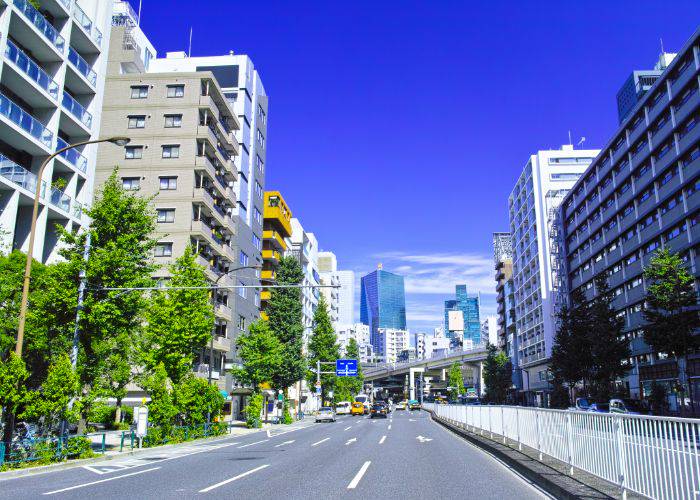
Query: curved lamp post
column 119, row 141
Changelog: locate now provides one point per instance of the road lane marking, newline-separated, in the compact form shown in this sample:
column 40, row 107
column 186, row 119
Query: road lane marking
column 356, row 480
column 350, row 441
column 83, row 485
column 389, row 428
column 382, row 439
column 251, row 444
column 234, row 478
column 348, row 428
column 321, row 441
column 423, row 439
column 282, row 444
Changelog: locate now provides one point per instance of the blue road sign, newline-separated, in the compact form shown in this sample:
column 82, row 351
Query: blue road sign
column 346, row 368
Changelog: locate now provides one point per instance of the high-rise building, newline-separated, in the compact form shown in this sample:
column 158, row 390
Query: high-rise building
column 462, row 325
column 545, row 180
column 52, row 76
column 489, row 329
column 382, row 305
column 328, row 271
column 507, row 340
column 346, row 296
column 360, row 333
column 638, row 84
column 181, row 154
column 642, row 193
column 391, row 343
column 304, row 247
column 277, row 227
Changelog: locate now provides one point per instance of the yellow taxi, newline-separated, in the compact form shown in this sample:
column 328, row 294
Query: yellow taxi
column 357, row 409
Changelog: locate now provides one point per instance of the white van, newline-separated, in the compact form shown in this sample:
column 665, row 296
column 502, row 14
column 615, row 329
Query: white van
column 342, row 408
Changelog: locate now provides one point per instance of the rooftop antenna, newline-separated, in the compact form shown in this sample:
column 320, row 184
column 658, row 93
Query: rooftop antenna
column 138, row 21
column 662, row 46
column 570, row 143
column 581, row 141
column 189, row 50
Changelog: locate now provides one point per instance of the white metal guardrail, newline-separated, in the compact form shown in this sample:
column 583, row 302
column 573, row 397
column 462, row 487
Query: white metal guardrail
column 657, row 457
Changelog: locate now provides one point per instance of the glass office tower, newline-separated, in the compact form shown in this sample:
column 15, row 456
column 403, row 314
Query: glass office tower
column 382, row 303
column 468, row 328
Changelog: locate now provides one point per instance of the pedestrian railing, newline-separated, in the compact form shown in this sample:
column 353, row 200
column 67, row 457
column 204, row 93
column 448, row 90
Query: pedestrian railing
column 657, row 457
column 157, row 436
column 41, row 451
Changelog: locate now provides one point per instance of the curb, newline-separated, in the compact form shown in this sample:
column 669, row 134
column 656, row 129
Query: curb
column 575, row 489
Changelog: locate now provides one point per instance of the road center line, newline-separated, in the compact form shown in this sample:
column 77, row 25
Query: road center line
column 99, row 481
column 251, row 444
column 382, row 439
column 321, row 441
column 234, row 478
column 348, row 428
column 389, row 428
column 356, row 480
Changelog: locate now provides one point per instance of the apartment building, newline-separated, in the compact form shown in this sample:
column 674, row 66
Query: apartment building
column 507, row 340
column 346, row 296
column 181, row 153
column 52, row 74
column 420, row 343
column 277, row 227
column 360, row 333
column 328, row 272
column 641, row 194
column 543, row 183
column 392, row 343
column 304, row 247
column 243, row 89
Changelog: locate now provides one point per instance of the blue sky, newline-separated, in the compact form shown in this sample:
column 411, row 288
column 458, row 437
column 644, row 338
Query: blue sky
column 397, row 129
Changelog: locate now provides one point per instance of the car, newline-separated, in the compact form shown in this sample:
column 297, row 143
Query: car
column 413, row 405
column 325, row 414
column 379, row 410
column 342, row 408
column 582, row 404
column 357, row 408
column 628, row 406
column 599, row 408
column 401, row 405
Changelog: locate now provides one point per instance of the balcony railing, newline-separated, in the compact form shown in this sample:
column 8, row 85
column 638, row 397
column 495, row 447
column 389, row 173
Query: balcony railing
column 35, row 17
column 87, row 25
column 17, row 174
column 31, row 69
column 66, row 4
column 76, row 109
column 72, row 156
column 60, row 199
column 82, row 66
column 25, row 121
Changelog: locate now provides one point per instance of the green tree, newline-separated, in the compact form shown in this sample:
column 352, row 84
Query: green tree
column 497, row 375
column 455, row 381
column 609, row 349
column 285, row 314
column 161, row 409
column 348, row 387
column 179, row 322
column 261, row 354
column 670, row 315
column 49, row 403
column 13, row 374
column 571, row 352
column 196, row 399
column 323, row 347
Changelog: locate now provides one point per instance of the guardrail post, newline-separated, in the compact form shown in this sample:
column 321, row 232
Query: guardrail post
column 570, row 441
column 490, row 425
column 503, row 426
column 621, row 456
column 2, row 453
column 121, row 443
column 537, row 427
column 104, row 437
column 517, row 427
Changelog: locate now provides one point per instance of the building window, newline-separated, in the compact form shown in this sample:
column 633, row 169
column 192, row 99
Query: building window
column 166, row 215
column 131, row 183
column 631, row 259
column 651, row 247
column 256, row 241
column 628, row 210
column 243, row 258
column 257, row 215
column 667, row 176
column 133, row 152
column 173, row 121
column 259, row 164
column 261, row 138
column 261, row 114
column 634, row 283
column 645, row 196
column 164, row 250
column 258, row 190
column 137, row 121
column 241, row 323
column 171, row 151
column 176, row 90
column 168, row 183
column 242, row 291
column 139, row 91
column 675, row 232
column 257, row 299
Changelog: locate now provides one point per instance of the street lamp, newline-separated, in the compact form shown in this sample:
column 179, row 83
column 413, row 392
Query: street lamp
column 119, row 141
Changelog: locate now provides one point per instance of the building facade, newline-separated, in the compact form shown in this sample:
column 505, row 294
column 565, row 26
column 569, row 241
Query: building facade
column 641, row 194
column 532, row 205
column 638, row 84
column 346, row 297
column 328, row 272
column 52, row 75
column 304, row 247
column 392, row 342
column 360, row 333
column 462, row 325
column 382, row 305
column 507, row 340
column 489, row 329
column 277, row 227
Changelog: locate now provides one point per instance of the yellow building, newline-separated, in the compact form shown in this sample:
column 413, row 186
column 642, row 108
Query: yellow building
column 276, row 227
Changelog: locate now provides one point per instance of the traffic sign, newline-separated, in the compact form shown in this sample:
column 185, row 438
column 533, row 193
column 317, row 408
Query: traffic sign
column 346, row 368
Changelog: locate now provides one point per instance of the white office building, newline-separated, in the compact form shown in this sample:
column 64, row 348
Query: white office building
column 304, row 247
column 346, row 297
column 392, row 342
column 489, row 329
column 420, row 343
column 52, row 75
column 327, row 270
column 546, row 178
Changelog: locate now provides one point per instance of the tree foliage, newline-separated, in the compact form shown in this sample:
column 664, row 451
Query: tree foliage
column 455, row 381
column 49, row 403
column 497, row 374
column 323, row 347
column 13, row 374
column 571, row 340
column 161, row 408
column 196, row 400
column 179, row 322
column 348, row 387
column 261, row 353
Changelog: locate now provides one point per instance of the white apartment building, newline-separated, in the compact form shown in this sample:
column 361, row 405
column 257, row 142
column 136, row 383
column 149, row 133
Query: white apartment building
column 304, row 247
column 346, row 297
column 546, row 178
column 489, row 329
column 327, row 270
column 421, row 348
column 52, row 74
column 359, row 332
column 393, row 341
column 438, row 344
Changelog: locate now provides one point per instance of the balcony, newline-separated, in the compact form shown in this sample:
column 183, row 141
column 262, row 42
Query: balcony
column 40, row 23
column 276, row 238
column 268, row 274
column 83, row 69
column 29, row 69
column 223, row 311
column 279, row 217
column 76, row 110
column 17, row 174
column 265, row 295
column 72, row 156
column 90, row 35
column 273, row 255
column 21, row 119
column 60, row 199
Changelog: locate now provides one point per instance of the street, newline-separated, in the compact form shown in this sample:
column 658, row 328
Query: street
column 404, row 456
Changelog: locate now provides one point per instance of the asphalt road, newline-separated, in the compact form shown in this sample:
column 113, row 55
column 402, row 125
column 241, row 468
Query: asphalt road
column 405, row 456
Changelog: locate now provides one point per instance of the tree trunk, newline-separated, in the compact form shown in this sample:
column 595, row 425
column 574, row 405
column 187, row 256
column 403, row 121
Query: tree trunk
column 118, row 412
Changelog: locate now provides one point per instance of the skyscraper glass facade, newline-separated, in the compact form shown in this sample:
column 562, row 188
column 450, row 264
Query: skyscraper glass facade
column 382, row 303
column 469, row 307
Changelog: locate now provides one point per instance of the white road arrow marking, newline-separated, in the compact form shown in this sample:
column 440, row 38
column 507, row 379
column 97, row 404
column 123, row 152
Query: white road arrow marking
column 282, row 444
column 423, row 439
column 350, row 441
column 411, row 419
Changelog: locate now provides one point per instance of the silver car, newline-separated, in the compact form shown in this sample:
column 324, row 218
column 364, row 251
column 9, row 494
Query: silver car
column 325, row 414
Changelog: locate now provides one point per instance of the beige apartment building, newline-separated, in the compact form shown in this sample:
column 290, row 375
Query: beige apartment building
column 181, row 154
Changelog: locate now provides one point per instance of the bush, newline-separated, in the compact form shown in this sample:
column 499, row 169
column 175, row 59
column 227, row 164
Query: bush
column 105, row 414
column 253, row 410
